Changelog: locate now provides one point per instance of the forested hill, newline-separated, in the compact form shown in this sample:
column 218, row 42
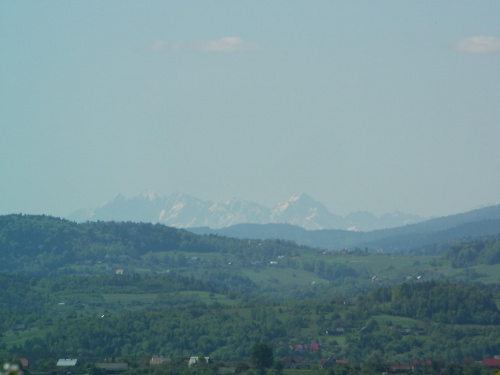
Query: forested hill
column 41, row 245
column 475, row 252
column 430, row 237
column 440, row 302
column 44, row 246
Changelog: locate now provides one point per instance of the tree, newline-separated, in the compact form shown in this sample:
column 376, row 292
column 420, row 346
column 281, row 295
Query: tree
column 278, row 368
column 375, row 364
column 262, row 356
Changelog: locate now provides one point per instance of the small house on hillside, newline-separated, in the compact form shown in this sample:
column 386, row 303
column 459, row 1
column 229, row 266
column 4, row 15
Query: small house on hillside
column 327, row 363
column 67, row 362
column 492, row 362
column 158, row 360
column 66, row 365
column 193, row 361
column 314, row 346
column 335, row 331
column 399, row 367
column 421, row 363
column 330, row 362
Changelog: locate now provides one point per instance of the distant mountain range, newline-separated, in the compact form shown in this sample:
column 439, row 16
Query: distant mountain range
column 185, row 211
column 303, row 220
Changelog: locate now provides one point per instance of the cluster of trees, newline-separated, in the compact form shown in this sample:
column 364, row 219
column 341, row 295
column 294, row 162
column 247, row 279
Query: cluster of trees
column 447, row 342
column 442, row 302
column 333, row 272
column 475, row 252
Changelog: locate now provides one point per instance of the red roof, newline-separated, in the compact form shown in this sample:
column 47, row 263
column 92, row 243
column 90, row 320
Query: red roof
column 341, row 361
column 422, row 361
column 491, row 362
column 314, row 346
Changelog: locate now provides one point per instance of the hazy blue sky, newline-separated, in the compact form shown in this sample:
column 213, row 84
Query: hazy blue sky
column 363, row 105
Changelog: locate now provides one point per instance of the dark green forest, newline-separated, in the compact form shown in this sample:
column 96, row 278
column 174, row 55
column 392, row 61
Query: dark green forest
column 474, row 252
column 46, row 246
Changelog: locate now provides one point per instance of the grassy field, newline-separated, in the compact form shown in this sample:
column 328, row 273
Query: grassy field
column 129, row 297
column 19, row 337
column 282, row 276
column 397, row 321
column 386, row 268
column 373, row 270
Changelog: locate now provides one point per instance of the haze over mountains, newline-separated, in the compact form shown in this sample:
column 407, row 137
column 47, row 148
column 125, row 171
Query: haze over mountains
column 430, row 237
column 185, row 211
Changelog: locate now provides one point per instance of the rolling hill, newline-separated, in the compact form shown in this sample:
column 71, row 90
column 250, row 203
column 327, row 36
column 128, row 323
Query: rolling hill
column 483, row 222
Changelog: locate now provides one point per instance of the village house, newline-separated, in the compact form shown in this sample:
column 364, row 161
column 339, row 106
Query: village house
column 421, row 363
column 399, row 367
column 330, row 362
column 65, row 365
column 327, row 363
column 193, row 361
column 328, row 251
column 314, row 346
column 67, row 362
column 492, row 362
column 335, row 331
column 158, row 360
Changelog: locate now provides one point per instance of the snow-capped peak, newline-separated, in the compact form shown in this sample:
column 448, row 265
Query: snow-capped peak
column 150, row 195
column 184, row 211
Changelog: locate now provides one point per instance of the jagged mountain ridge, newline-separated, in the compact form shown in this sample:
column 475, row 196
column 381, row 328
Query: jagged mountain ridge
column 185, row 211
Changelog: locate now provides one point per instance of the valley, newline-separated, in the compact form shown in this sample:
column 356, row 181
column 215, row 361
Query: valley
column 134, row 290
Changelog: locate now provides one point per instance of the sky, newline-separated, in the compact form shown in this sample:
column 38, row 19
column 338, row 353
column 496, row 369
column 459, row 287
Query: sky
column 364, row 105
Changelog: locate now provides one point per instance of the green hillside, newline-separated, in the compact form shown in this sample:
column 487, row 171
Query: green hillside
column 130, row 291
